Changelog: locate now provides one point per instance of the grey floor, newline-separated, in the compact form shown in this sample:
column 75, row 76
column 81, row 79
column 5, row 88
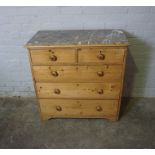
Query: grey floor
column 20, row 127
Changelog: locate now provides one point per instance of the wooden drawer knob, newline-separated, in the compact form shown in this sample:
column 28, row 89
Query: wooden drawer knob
column 53, row 58
column 100, row 91
column 101, row 56
column 54, row 73
column 58, row 108
column 57, row 91
column 100, row 73
column 99, row 108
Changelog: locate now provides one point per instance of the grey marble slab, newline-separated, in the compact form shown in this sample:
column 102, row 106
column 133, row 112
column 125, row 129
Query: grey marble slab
column 78, row 37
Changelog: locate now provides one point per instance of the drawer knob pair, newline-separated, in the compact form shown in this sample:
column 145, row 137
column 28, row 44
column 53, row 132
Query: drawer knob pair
column 101, row 56
column 100, row 91
column 54, row 73
column 99, row 108
column 58, row 108
column 53, row 58
column 57, row 91
column 100, row 73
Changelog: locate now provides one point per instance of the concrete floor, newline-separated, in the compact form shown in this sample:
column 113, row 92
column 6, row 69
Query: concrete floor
column 20, row 127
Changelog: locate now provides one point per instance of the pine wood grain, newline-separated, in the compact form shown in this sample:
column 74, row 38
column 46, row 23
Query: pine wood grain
column 110, row 56
column 43, row 57
column 79, row 90
column 105, row 73
column 52, row 108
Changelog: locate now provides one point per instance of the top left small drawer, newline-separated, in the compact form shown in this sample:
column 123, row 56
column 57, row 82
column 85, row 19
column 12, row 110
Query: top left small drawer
column 53, row 56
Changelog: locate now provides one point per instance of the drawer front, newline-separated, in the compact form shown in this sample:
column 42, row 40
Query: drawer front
column 77, row 74
column 51, row 57
column 78, row 108
column 104, row 56
column 78, row 90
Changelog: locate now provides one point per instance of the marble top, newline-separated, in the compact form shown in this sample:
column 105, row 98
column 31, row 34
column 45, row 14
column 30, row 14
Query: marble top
column 78, row 37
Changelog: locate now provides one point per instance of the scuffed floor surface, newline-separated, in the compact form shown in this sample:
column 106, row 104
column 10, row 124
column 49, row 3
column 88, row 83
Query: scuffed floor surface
column 20, row 127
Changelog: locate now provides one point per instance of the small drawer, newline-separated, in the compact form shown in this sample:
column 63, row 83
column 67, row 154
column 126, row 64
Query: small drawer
column 79, row 90
column 78, row 108
column 53, row 56
column 105, row 73
column 101, row 55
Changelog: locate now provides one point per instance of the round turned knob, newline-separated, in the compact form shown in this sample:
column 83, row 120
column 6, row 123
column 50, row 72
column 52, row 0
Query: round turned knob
column 100, row 91
column 101, row 56
column 100, row 73
column 54, row 73
column 57, row 91
column 58, row 108
column 99, row 108
column 53, row 58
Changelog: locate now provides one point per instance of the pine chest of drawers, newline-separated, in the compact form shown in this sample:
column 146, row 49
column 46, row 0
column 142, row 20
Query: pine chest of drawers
column 78, row 73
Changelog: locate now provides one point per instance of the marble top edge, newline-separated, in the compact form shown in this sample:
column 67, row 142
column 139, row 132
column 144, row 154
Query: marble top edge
column 78, row 37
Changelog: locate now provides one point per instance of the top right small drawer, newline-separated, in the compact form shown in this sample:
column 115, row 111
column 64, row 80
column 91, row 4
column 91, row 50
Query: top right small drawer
column 101, row 55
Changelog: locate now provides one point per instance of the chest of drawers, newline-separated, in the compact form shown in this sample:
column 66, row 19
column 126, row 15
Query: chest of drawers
column 78, row 74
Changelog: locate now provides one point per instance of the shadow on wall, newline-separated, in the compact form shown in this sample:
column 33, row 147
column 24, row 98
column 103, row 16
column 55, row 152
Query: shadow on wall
column 135, row 75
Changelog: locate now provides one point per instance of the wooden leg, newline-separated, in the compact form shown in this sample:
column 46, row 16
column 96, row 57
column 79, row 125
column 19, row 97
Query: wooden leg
column 45, row 117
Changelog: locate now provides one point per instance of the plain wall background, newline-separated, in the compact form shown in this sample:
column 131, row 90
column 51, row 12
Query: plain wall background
column 19, row 24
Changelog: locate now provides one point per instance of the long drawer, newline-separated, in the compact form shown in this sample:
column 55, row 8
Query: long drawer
column 78, row 108
column 79, row 90
column 103, row 73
